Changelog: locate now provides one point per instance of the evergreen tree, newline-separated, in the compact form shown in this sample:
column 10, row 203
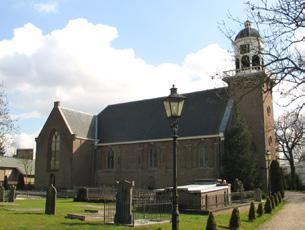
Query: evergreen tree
column 235, row 219
column 238, row 160
column 272, row 202
column 279, row 196
column 260, row 210
column 20, row 183
column 276, row 179
column 268, row 208
column 5, row 183
column 276, row 201
column 251, row 215
column 211, row 223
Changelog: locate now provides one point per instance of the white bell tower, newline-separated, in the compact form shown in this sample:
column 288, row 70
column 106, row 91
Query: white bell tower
column 248, row 47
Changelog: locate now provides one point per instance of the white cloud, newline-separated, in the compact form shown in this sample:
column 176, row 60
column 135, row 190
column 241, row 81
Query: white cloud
column 24, row 140
column 25, row 116
column 46, row 7
column 78, row 66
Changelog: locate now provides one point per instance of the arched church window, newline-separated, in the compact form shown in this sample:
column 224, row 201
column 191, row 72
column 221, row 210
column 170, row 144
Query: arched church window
column 245, row 48
column 270, row 140
column 255, row 60
column 203, row 155
column 110, row 159
column 268, row 110
column 54, row 151
column 237, row 65
column 245, row 61
column 152, row 158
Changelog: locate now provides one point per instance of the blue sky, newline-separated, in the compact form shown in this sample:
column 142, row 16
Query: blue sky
column 88, row 54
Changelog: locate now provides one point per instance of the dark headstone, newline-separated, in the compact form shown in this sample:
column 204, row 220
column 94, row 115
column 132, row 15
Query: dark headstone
column 82, row 195
column 2, row 193
column 50, row 207
column 258, row 195
column 123, row 212
column 12, row 194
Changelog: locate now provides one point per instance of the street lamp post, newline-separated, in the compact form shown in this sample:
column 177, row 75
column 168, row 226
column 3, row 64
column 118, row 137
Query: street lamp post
column 173, row 105
column 268, row 160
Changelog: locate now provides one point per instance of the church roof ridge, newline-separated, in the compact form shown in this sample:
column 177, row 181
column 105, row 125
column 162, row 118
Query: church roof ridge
column 76, row 111
column 158, row 98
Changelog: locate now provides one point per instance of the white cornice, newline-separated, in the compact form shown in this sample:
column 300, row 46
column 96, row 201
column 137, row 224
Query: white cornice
column 161, row 140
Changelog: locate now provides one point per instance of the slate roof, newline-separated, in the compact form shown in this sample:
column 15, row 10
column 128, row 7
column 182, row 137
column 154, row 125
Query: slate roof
column 203, row 114
column 81, row 124
column 11, row 162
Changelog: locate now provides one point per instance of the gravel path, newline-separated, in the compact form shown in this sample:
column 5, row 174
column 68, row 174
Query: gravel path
column 291, row 217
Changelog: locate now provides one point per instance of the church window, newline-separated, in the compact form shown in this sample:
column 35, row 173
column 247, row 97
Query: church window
column 245, row 62
column 54, row 151
column 270, row 140
column 255, row 60
column 237, row 66
column 110, row 159
column 244, row 49
column 203, row 155
column 268, row 110
column 152, row 157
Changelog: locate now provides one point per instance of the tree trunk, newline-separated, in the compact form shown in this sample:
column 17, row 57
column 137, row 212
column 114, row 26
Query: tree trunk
column 292, row 174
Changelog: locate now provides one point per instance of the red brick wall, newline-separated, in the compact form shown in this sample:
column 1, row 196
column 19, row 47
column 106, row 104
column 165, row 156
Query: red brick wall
column 131, row 163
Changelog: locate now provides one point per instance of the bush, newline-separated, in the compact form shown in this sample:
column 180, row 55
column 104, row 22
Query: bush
column 251, row 215
column 279, row 196
column 268, row 208
column 276, row 201
column 276, row 178
column 235, row 219
column 211, row 223
column 272, row 202
column 260, row 210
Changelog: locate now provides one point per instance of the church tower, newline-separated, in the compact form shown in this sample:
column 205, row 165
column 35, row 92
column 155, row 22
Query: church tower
column 248, row 85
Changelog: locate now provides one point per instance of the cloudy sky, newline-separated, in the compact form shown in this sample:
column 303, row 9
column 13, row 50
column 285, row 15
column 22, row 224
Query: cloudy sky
column 88, row 54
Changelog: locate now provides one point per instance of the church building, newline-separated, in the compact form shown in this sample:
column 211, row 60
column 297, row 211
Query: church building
column 133, row 140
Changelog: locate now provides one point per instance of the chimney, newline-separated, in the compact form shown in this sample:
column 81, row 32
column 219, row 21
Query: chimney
column 56, row 103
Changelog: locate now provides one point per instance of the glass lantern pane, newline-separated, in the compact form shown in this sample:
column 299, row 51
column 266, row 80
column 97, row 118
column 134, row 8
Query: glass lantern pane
column 174, row 105
column 167, row 108
column 180, row 107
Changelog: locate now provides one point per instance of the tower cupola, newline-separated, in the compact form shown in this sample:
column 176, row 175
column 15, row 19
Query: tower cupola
column 248, row 47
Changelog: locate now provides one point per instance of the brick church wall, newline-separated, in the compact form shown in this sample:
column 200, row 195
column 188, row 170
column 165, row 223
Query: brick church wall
column 42, row 173
column 131, row 162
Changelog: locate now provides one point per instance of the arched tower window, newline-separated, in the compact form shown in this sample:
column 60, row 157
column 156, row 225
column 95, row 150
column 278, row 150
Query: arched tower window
column 255, row 60
column 110, row 159
column 237, row 65
column 245, row 61
column 54, row 151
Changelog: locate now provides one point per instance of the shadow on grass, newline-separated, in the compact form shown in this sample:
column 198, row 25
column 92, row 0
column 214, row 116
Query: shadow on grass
column 223, row 226
column 83, row 224
column 29, row 213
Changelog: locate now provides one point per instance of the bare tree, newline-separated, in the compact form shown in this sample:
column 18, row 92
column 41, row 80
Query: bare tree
column 281, row 24
column 289, row 134
column 28, row 168
column 7, row 125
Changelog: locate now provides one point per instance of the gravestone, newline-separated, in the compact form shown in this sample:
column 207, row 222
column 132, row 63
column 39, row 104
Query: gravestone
column 12, row 194
column 123, row 211
column 2, row 193
column 258, row 195
column 50, row 207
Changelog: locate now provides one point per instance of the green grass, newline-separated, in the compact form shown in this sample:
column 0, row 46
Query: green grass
column 25, row 219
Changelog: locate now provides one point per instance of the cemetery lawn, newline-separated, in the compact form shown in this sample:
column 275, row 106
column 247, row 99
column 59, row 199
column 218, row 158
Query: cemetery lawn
column 29, row 214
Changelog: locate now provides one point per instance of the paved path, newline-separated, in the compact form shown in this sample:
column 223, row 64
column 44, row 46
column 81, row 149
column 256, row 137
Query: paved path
column 291, row 217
